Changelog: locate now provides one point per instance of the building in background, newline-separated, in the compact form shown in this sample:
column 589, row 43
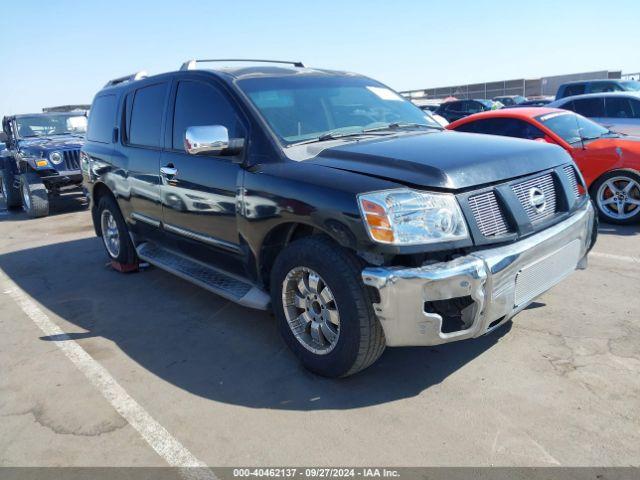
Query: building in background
column 537, row 87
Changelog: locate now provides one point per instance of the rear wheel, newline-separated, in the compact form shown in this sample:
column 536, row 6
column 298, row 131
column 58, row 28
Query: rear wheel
column 114, row 232
column 10, row 192
column 324, row 311
column 35, row 198
column 617, row 196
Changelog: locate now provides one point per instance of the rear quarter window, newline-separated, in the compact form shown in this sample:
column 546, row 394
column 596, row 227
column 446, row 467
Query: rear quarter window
column 589, row 107
column 102, row 118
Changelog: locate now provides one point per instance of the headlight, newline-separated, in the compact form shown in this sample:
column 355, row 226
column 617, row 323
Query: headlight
column 55, row 158
column 410, row 217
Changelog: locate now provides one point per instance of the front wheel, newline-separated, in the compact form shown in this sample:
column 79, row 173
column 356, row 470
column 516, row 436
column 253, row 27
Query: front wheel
column 617, row 196
column 35, row 198
column 324, row 311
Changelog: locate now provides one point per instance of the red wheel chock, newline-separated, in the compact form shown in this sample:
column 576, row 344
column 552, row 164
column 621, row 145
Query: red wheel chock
column 125, row 267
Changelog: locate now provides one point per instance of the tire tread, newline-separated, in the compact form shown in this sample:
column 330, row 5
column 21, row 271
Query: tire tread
column 38, row 194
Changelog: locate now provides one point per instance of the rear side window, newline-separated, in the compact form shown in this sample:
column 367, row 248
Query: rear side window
column 506, row 127
column 570, row 90
column 635, row 104
column 601, row 87
column 453, row 107
column 471, row 127
column 473, row 106
column 618, row 108
column 199, row 104
column 589, row 107
column 145, row 124
column 102, row 117
column 567, row 106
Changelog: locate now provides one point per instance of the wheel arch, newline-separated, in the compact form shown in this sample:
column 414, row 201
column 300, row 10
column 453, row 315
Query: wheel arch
column 282, row 234
column 98, row 191
column 613, row 170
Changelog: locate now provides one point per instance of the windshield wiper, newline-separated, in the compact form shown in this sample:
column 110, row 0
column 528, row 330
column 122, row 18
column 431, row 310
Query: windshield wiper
column 399, row 125
column 334, row 135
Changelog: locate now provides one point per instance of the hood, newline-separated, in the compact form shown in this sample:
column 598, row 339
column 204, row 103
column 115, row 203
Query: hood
column 49, row 144
column 444, row 160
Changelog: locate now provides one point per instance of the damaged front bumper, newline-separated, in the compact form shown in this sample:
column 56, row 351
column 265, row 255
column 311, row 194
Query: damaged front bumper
column 488, row 286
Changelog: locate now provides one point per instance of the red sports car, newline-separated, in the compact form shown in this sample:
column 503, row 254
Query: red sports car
column 609, row 162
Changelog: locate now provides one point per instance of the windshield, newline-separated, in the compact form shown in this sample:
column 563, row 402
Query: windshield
column 303, row 108
column 631, row 85
column 572, row 128
column 45, row 125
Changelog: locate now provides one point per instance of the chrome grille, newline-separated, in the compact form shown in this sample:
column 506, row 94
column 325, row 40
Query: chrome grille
column 573, row 179
column 544, row 183
column 488, row 215
column 72, row 159
column 538, row 277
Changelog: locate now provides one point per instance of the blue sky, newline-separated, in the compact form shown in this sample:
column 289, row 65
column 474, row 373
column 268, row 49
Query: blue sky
column 62, row 52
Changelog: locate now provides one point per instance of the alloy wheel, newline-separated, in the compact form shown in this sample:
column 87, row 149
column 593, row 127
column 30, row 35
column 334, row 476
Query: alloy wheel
column 110, row 233
column 311, row 310
column 619, row 198
column 26, row 197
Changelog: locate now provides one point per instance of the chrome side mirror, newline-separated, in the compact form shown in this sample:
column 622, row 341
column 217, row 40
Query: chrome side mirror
column 206, row 139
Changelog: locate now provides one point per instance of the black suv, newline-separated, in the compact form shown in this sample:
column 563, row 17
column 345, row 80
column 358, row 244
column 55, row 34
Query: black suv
column 330, row 199
column 457, row 109
column 42, row 158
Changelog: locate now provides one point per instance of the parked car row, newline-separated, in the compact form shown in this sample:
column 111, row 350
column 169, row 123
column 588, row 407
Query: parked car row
column 613, row 103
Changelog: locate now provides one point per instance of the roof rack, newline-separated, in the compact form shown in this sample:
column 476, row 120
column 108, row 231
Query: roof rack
column 66, row 108
column 127, row 78
column 191, row 64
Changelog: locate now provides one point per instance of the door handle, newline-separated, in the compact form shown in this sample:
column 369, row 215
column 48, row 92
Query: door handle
column 168, row 171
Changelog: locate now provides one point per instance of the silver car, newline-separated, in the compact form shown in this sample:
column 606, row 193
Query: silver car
column 617, row 111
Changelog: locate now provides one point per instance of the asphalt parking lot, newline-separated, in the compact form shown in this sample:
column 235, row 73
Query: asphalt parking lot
column 558, row 386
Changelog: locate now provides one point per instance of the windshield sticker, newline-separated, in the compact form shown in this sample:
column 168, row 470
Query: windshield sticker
column 385, row 93
column 549, row 116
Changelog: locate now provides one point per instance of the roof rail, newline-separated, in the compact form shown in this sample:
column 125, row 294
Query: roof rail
column 191, row 64
column 127, row 78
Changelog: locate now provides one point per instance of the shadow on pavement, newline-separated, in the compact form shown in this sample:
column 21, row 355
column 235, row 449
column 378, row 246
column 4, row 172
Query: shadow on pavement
column 206, row 345
column 65, row 203
column 621, row 230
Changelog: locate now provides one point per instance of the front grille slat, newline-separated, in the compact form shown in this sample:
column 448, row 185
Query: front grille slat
column 488, row 215
column 573, row 179
column 71, row 159
column 547, row 185
column 489, row 211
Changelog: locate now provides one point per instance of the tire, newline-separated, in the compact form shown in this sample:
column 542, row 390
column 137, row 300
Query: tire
column 360, row 339
column 612, row 186
column 35, row 198
column 11, row 194
column 125, row 252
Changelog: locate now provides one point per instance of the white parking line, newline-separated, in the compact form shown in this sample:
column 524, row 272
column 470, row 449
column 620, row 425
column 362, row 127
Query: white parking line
column 165, row 445
column 611, row 256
